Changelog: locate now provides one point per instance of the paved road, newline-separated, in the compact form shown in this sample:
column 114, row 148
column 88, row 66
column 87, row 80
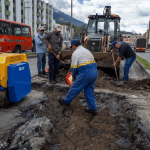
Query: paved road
column 145, row 55
column 33, row 66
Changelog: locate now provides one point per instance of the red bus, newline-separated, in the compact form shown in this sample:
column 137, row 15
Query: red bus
column 14, row 36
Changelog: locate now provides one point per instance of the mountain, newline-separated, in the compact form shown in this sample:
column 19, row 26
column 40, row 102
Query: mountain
column 59, row 16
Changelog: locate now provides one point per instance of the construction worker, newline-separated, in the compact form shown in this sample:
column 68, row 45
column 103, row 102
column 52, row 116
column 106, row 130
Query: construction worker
column 54, row 41
column 41, row 50
column 124, row 51
column 84, row 71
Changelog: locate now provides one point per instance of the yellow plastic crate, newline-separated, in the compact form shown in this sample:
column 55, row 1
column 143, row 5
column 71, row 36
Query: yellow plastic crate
column 5, row 60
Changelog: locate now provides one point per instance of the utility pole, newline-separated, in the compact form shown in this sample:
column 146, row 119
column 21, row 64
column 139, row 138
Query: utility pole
column 71, row 19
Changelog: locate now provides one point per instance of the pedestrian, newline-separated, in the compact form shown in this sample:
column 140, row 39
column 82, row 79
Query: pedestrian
column 41, row 50
column 54, row 41
column 84, row 71
column 124, row 51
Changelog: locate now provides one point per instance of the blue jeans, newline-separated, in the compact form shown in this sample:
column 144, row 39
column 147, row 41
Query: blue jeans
column 127, row 65
column 53, row 66
column 41, row 61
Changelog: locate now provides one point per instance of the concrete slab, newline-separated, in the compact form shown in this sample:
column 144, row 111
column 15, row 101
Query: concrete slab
column 137, row 71
column 10, row 117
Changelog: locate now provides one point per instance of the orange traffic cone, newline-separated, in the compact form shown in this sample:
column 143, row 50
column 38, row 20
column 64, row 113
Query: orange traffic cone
column 47, row 70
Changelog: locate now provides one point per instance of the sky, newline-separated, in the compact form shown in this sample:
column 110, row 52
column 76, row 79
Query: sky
column 135, row 14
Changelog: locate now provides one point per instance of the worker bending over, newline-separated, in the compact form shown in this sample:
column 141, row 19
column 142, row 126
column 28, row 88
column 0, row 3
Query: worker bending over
column 84, row 71
column 124, row 51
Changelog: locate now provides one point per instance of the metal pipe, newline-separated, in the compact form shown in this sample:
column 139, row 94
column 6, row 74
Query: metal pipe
column 71, row 18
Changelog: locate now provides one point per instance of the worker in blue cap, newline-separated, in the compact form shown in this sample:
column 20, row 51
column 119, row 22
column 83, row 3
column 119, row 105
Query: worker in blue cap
column 84, row 71
column 124, row 51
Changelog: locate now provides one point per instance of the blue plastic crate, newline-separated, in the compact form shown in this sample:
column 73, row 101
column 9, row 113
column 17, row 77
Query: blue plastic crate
column 19, row 81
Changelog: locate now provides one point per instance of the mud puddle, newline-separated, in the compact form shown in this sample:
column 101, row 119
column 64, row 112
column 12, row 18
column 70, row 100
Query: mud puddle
column 116, row 126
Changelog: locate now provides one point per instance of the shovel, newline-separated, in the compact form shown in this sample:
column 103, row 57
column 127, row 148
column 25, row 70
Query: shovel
column 115, row 67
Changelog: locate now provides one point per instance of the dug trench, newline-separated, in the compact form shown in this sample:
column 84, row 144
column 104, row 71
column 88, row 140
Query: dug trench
column 47, row 125
column 51, row 126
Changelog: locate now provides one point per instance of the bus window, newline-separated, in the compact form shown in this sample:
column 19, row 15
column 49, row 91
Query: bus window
column 16, row 30
column 25, row 31
column 5, row 28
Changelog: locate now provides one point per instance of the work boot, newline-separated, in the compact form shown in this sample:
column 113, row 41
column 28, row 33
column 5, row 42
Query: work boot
column 62, row 102
column 40, row 74
column 52, row 82
column 43, row 72
column 125, row 81
column 90, row 111
column 56, row 80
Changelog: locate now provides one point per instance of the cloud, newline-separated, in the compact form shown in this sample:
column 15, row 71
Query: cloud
column 133, row 13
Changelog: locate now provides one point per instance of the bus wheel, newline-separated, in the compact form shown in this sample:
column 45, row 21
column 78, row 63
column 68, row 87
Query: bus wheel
column 17, row 49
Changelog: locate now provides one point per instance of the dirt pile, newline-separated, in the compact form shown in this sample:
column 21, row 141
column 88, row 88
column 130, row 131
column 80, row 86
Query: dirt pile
column 107, row 62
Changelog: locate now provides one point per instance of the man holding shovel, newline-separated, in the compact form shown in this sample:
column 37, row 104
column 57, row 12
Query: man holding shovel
column 54, row 41
column 124, row 51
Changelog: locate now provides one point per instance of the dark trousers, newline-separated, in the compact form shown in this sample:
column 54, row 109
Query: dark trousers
column 53, row 66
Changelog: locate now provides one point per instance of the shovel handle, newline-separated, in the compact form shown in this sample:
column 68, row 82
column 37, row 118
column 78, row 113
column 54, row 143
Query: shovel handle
column 115, row 66
column 51, row 50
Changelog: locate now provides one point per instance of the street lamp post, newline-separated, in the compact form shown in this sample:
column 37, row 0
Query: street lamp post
column 71, row 19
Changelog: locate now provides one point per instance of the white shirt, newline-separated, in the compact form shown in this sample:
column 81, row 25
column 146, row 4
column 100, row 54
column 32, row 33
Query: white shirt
column 81, row 56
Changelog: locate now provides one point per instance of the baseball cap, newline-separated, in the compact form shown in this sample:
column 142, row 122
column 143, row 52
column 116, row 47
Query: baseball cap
column 75, row 42
column 114, row 43
column 58, row 27
column 41, row 28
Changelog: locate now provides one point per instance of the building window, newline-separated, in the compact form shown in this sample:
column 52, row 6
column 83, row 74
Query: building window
column 7, row 17
column 6, row 7
column 32, row 1
column 21, row 20
column 0, row 14
column 5, row 28
column 21, row 3
column 33, row 17
column 32, row 24
column 14, row 10
column 21, row 12
column 0, row 2
column 14, row 18
column 14, row 1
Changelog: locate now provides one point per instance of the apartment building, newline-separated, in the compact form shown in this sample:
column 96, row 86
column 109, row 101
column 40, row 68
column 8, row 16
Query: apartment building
column 32, row 12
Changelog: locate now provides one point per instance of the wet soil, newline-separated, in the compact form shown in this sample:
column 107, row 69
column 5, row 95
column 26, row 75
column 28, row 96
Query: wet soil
column 116, row 126
column 107, row 80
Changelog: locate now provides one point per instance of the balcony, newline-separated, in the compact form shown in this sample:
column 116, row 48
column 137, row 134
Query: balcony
column 38, row 14
column 0, row 8
column 38, row 21
column 32, row 28
column 21, row 7
column 7, row 12
column 42, row 23
column 22, row 16
column 38, row 6
column 42, row 16
column 7, row 3
column 32, row 13
column 50, row 12
column 49, row 18
column 32, row 5
column 42, row 8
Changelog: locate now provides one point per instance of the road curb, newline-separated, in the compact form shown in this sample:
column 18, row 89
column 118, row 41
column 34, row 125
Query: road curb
column 142, row 68
column 31, row 56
